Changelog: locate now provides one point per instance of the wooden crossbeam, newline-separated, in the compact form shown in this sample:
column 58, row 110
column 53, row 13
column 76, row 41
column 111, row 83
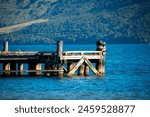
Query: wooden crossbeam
column 91, row 66
column 72, row 71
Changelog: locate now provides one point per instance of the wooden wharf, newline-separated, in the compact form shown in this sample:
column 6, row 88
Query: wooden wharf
column 53, row 63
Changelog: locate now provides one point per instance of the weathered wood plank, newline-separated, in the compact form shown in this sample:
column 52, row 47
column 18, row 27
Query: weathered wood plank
column 75, row 67
column 91, row 66
column 76, row 57
column 81, row 52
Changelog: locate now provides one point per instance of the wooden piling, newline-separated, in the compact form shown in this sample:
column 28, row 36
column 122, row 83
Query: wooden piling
column 86, row 71
column 59, row 58
column 61, row 70
column 101, row 46
column 20, row 68
column 100, row 66
column 5, row 46
column 59, row 49
column 6, row 68
column 38, row 67
column 81, row 70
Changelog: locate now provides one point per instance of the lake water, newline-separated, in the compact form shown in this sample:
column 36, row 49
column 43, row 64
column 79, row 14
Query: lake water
column 127, row 77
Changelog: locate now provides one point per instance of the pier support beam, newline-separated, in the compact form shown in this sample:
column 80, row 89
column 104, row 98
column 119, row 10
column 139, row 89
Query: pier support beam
column 38, row 67
column 20, row 68
column 81, row 70
column 61, row 70
column 59, row 58
column 86, row 72
column 100, row 66
column 6, row 68
column 5, row 46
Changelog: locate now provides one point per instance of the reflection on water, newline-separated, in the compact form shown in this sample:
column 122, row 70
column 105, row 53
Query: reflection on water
column 127, row 77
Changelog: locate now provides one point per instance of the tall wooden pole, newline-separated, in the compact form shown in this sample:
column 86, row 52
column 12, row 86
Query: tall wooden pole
column 100, row 64
column 59, row 49
column 59, row 58
column 5, row 46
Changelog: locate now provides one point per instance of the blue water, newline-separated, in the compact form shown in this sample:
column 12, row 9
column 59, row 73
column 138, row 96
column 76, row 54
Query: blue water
column 127, row 77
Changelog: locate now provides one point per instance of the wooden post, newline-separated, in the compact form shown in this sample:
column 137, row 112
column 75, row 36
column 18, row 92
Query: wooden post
column 101, row 46
column 86, row 70
column 60, row 73
column 6, row 68
column 59, row 58
column 38, row 66
column 100, row 67
column 5, row 46
column 81, row 70
column 59, row 49
column 13, row 67
column 20, row 68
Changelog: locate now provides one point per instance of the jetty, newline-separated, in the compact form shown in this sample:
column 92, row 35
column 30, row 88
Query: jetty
column 53, row 63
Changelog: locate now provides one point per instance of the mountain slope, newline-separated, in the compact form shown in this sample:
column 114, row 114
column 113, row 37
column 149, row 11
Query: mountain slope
column 77, row 21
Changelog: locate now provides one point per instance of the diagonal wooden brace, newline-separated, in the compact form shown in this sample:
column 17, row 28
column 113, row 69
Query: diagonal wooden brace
column 92, row 67
column 76, row 67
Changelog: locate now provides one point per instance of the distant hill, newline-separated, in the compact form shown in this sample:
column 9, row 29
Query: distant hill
column 75, row 21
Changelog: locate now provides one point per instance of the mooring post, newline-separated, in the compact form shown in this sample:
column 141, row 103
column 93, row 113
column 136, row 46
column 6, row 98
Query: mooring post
column 5, row 46
column 100, row 64
column 20, row 68
column 59, row 58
